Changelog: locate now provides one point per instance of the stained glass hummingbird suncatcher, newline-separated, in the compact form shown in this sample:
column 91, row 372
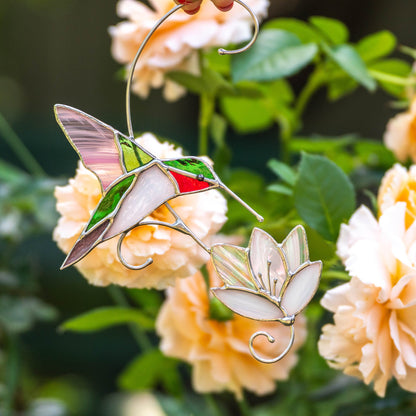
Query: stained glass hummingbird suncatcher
column 266, row 281
column 134, row 182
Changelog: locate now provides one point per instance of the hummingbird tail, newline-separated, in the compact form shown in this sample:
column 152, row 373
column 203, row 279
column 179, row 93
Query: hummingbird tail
column 85, row 244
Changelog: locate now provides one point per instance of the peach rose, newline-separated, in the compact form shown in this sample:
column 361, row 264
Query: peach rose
column 174, row 46
column 175, row 254
column 399, row 185
column 374, row 332
column 218, row 351
column 400, row 135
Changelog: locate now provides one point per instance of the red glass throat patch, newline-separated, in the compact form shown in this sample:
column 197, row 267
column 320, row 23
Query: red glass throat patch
column 187, row 184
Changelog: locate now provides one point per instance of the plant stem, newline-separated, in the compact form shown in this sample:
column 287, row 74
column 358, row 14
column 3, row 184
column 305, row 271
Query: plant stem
column 139, row 335
column 212, row 404
column 12, row 372
column 206, row 109
column 18, row 147
column 315, row 81
column 391, row 79
column 244, row 407
column 336, row 274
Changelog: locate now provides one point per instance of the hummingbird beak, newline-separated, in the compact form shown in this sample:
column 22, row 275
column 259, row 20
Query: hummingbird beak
column 244, row 204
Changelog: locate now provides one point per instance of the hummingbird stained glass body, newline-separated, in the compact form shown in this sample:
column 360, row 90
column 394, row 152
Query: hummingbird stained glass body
column 134, row 182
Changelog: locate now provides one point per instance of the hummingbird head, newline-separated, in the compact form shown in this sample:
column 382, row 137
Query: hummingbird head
column 194, row 174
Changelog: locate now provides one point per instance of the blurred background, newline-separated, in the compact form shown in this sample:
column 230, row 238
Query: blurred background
column 55, row 51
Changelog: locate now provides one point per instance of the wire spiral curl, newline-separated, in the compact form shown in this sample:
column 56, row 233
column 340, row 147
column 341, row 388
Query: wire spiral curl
column 271, row 340
column 148, row 262
column 287, row 320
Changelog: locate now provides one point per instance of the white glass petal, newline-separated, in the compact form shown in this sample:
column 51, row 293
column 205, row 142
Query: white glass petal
column 152, row 189
column 231, row 264
column 295, row 247
column 301, row 288
column 248, row 304
column 264, row 249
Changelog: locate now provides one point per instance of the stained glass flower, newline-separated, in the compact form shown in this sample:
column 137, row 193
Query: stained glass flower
column 267, row 281
column 218, row 350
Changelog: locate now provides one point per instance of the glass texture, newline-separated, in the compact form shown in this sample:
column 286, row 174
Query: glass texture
column 230, row 262
column 133, row 155
column 190, row 165
column 84, row 245
column 110, row 201
column 151, row 189
column 263, row 249
column 249, row 305
column 187, row 184
column 295, row 247
column 94, row 141
column 301, row 288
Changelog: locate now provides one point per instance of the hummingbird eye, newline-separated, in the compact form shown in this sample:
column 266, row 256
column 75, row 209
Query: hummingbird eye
column 200, row 177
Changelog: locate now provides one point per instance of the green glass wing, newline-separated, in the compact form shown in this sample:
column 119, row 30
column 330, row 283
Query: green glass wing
column 195, row 166
column 133, row 156
column 111, row 200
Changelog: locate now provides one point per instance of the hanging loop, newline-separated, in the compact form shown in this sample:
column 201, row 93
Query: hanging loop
column 221, row 51
column 148, row 262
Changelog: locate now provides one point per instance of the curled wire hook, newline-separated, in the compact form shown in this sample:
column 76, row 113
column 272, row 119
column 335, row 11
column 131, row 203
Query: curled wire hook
column 271, row 340
column 221, row 51
column 148, row 262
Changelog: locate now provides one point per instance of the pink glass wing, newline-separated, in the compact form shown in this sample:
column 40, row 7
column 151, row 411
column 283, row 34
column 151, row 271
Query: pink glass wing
column 301, row 288
column 295, row 247
column 152, row 188
column 264, row 249
column 231, row 264
column 248, row 304
column 93, row 140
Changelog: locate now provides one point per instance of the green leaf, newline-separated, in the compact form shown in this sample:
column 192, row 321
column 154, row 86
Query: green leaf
column 217, row 62
column 218, row 311
column 320, row 144
column 147, row 370
column 338, row 88
column 334, row 30
column 20, row 314
column 209, row 82
column 247, row 115
column 149, row 300
column 102, row 318
column 349, row 60
column 285, row 172
column 10, row 173
column 324, row 196
column 276, row 54
column 301, row 29
column 189, row 81
column 280, row 189
column 395, row 67
column 376, row 45
column 278, row 91
column 374, row 154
